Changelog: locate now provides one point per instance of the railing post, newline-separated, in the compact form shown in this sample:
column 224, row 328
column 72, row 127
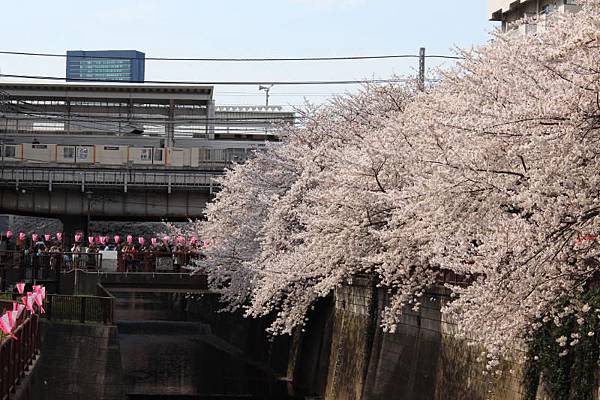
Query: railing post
column 49, row 307
column 83, row 306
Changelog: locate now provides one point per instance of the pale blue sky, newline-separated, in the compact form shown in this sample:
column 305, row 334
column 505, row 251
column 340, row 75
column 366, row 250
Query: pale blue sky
column 227, row 28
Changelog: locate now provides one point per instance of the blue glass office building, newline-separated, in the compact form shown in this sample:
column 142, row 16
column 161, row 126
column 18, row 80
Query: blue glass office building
column 105, row 65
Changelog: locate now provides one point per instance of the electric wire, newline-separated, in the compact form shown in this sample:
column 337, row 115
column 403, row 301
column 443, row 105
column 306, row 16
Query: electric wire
column 224, row 83
column 230, row 59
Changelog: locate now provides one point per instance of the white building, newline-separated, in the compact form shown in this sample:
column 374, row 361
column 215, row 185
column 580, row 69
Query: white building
column 509, row 11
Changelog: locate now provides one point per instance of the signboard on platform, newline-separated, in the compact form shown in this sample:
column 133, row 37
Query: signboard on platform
column 164, row 264
column 109, row 260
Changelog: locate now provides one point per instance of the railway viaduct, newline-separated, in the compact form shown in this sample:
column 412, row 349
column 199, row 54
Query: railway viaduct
column 99, row 151
column 78, row 195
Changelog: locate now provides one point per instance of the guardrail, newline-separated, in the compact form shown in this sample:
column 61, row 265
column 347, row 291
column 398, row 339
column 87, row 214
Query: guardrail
column 155, row 261
column 41, row 264
column 17, row 355
column 54, row 175
column 83, row 309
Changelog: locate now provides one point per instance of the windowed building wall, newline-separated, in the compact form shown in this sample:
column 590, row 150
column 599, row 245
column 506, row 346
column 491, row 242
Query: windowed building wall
column 510, row 11
column 109, row 65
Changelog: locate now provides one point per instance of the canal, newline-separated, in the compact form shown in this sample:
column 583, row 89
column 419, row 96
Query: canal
column 168, row 351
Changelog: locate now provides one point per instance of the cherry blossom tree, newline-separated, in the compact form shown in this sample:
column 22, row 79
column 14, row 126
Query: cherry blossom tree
column 492, row 174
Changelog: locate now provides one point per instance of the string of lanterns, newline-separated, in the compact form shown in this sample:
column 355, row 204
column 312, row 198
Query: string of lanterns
column 116, row 239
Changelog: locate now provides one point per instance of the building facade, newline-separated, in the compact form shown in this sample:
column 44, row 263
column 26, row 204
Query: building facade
column 106, row 65
column 510, row 11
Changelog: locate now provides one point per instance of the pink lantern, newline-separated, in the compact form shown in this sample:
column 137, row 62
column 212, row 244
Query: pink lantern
column 58, row 235
column 21, row 287
column 141, row 240
column 153, row 241
column 47, row 237
column 22, row 236
column 90, row 240
column 117, row 238
column 193, row 240
column 180, row 240
column 129, row 239
column 166, row 239
column 34, row 237
column 9, row 234
column 29, row 301
column 16, row 312
column 6, row 324
column 105, row 239
column 78, row 237
column 39, row 301
column 98, row 239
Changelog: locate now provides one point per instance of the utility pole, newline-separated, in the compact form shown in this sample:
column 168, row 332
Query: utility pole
column 266, row 88
column 421, row 79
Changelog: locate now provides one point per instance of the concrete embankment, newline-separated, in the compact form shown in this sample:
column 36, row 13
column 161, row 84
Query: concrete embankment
column 79, row 361
column 345, row 355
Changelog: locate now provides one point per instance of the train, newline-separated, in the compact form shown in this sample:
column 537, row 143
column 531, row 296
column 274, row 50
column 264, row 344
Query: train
column 126, row 155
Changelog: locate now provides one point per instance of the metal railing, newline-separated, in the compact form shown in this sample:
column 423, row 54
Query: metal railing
column 17, row 355
column 51, row 175
column 83, row 309
column 50, row 259
column 155, row 261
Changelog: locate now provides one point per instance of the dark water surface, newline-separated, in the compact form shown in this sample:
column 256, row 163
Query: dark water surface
column 164, row 356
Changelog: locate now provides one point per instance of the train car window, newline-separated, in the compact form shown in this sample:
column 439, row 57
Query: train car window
column 146, row 154
column 83, row 153
column 68, row 152
column 158, row 155
column 10, row 151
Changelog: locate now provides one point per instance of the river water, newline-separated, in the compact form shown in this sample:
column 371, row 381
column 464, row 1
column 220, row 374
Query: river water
column 165, row 356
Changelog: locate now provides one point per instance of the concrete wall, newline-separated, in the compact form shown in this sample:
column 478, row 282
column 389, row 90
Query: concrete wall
column 78, row 362
column 308, row 360
column 351, row 341
column 146, row 205
column 422, row 360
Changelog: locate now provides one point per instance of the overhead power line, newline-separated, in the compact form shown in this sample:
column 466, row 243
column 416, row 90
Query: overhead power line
column 208, row 83
column 232, row 59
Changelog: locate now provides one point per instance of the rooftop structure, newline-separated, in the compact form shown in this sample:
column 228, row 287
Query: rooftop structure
column 131, row 110
column 105, row 65
column 107, row 109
